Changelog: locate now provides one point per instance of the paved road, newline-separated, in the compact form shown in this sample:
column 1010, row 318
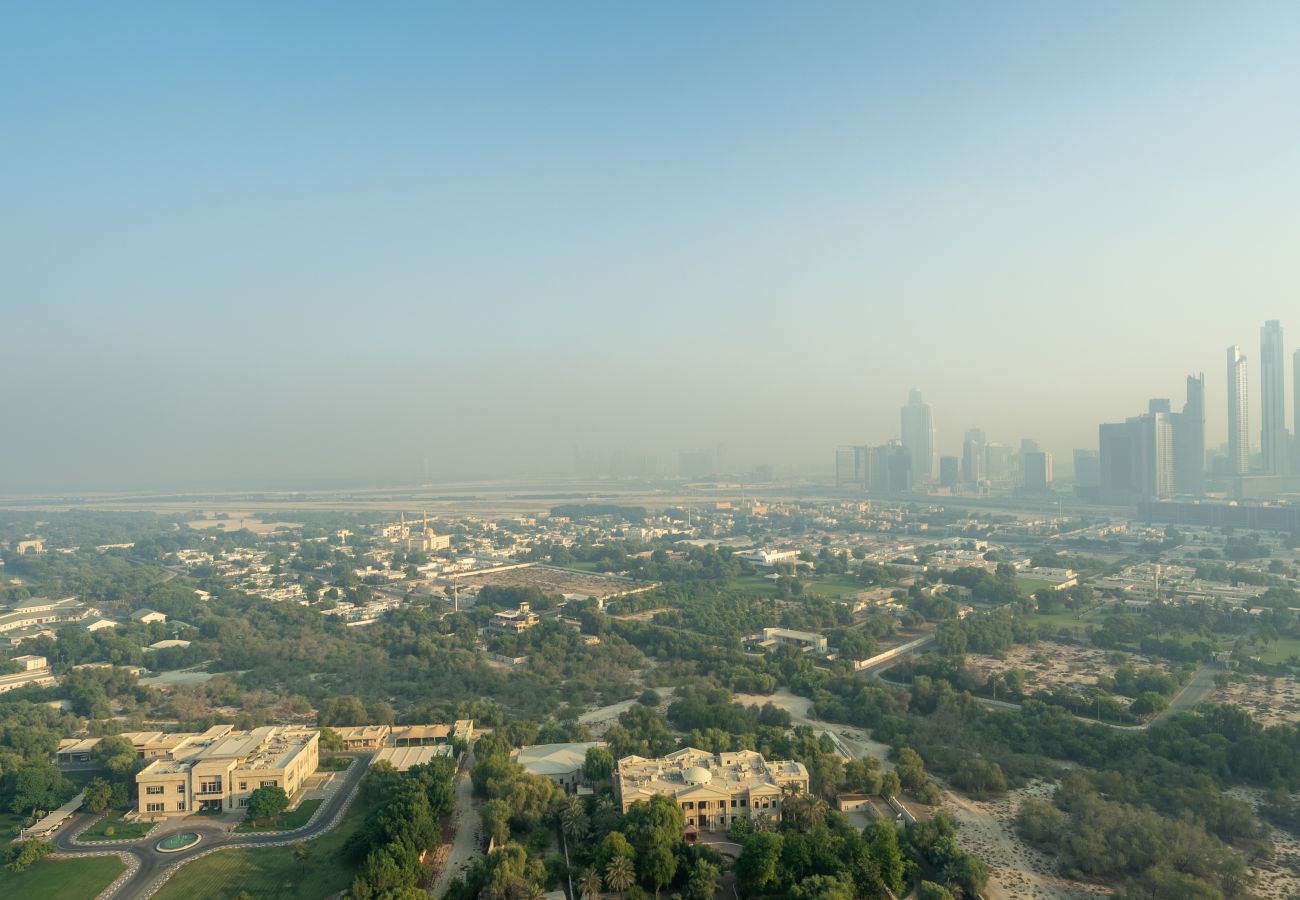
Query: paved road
column 155, row 867
column 1197, row 689
column 469, row 831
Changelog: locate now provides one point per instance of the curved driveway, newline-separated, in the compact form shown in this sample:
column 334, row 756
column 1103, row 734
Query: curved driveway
column 156, row 867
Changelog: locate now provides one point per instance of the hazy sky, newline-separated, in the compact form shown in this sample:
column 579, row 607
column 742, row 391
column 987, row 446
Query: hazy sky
column 295, row 241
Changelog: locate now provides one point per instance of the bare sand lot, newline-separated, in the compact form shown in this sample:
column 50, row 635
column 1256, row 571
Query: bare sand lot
column 238, row 521
column 1016, row 870
column 1270, row 701
column 558, row 581
column 1048, row 664
column 1278, row 879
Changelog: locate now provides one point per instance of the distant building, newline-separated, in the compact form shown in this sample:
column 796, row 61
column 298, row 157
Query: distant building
column 917, row 420
column 711, row 790
column 949, row 473
column 808, row 641
column 514, row 621
column 1274, row 440
column 148, row 616
column 1087, row 469
column 768, row 557
column 1238, row 413
column 33, row 671
column 44, row 611
column 972, row 456
column 1189, row 440
column 1037, row 468
column 562, row 763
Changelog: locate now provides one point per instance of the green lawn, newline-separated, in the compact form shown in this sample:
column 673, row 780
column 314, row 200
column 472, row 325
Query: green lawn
column 752, row 584
column 9, row 825
column 270, row 873
column 1281, row 650
column 295, row 819
column 833, row 586
column 122, row 831
column 1028, row 585
column 61, row 879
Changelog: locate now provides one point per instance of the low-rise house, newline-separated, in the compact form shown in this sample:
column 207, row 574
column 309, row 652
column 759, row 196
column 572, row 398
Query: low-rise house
column 219, row 769
column 562, row 763
column 363, row 737
column 34, row 671
column 514, row 621
column 148, row 616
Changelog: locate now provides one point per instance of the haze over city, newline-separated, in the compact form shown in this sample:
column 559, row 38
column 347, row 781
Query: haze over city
column 250, row 245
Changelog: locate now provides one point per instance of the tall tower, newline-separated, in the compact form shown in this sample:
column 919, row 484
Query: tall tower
column 1295, row 420
column 918, row 436
column 1189, row 440
column 1272, row 374
column 1238, row 413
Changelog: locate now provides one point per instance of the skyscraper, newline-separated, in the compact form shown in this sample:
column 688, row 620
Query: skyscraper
column 1295, row 420
column 972, row 456
column 1037, row 466
column 1272, row 375
column 1189, row 440
column 1238, row 413
column 918, row 436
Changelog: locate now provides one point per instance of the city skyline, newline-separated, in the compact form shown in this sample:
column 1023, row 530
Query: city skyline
column 346, row 246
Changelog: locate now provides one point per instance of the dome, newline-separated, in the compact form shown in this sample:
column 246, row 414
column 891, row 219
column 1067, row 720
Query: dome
column 697, row 775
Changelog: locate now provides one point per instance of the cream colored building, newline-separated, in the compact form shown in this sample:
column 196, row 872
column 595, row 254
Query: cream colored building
column 220, row 769
column 514, row 621
column 712, row 789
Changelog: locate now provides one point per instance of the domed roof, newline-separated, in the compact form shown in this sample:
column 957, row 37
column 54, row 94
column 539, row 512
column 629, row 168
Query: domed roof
column 697, row 775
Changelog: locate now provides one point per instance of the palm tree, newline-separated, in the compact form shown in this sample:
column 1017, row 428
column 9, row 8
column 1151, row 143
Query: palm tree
column 619, row 874
column 573, row 819
column 589, row 884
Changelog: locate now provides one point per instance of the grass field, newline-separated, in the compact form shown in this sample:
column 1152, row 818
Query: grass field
column 1281, row 650
column 1028, row 585
column 121, row 830
column 61, row 879
column 833, row 586
column 286, row 821
column 270, row 873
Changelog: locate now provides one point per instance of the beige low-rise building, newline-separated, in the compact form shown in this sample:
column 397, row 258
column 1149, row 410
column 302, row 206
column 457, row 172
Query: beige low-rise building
column 219, row 769
column 363, row 737
column 712, row 790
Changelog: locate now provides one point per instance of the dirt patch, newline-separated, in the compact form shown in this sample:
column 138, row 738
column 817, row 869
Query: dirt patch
column 1279, row 878
column 1270, row 701
column 558, row 581
column 1016, row 870
column 1049, row 665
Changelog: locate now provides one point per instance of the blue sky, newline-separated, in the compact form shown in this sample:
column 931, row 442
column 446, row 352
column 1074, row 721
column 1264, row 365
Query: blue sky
column 278, row 241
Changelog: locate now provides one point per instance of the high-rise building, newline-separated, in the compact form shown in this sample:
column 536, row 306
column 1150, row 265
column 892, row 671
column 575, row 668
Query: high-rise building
column 1087, row 469
column 1273, row 438
column 1238, row 413
column 1295, row 419
column 1136, row 458
column 845, row 468
column 918, row 436
column 899, row 468
column 1037, row 468
column 1118, row 466
column 972, row 456
column 998, row 463
column 948, row 471
column 1189, row 440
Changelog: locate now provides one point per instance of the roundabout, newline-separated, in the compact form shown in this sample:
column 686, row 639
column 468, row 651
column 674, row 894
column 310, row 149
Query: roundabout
column 181, row 840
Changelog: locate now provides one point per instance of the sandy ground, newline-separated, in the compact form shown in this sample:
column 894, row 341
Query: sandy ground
column 1270, row 701
column 602, row 717
column 1280, row 878
column 1048, row 664
column 851, row 740
column 558, row 581
column 238, row 521
column 1017, row 871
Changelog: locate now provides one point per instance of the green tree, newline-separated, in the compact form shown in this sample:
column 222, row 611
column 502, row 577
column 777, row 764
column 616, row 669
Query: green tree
column 659, row 865
column 302, row 853
column 330, row 740
column 928, row 890
column 38, row 785
column 589, row 884
column 758, row 867
column 599, row 764
column 703, row 881
column 619, row 874
column 266, row 803
column 98, row 795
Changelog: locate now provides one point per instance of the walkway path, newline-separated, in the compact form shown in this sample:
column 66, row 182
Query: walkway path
column 469, row 831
